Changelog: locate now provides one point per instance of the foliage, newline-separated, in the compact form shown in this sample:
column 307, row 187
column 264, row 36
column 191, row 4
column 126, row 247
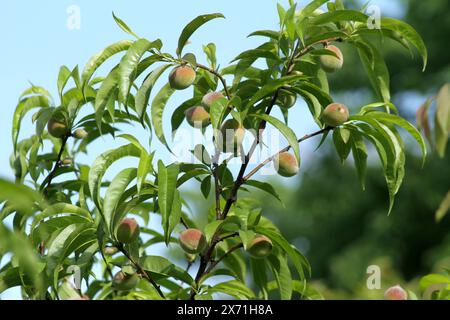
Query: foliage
column 73, row 223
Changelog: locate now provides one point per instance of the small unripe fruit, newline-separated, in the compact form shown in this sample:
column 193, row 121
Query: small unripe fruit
column 192, row 241
column 209, row 98
column 296, row 73
column 128, row 230
column 109, row 251
column 80, row 133
column 331, row 63
column 182, row 77
column 125, row 282
column 260, row 247
column 286, row 164
column 335, row 114
column 232, row 135
column 286, row 99
column 196, row 116
column 67, row 162
column 57, row 128
column 396, row 293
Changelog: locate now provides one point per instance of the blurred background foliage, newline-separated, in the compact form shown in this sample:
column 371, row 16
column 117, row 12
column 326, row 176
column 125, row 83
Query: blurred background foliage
column 342, row 229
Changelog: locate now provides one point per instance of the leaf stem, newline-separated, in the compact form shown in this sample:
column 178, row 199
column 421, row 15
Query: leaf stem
column 57, row 164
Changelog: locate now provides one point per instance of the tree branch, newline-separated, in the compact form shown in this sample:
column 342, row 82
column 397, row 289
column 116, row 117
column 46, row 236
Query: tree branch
column 216, row 262
column 269, row 159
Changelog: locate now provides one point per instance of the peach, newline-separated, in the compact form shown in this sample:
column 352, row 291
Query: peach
column 182, row 77
column 209, row 98
column 331, row 63
column 286, row 164
column 335, row 114
column 396, row 293
column 128, row 231
column 260, row 247
column 192, row 241
column 197, row 117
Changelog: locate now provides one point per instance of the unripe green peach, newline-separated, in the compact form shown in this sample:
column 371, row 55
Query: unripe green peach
column 67, row 161
column 331, row 63
column 209, row 98
column 128, row 231
column 192, row 241
column 286, row 164
column 260, row 247
column 196, row 116
column 125, row 282
column 286, row 99
column 396, row 293
column 56, row 127
column 232, row 135
column 335, row 114
column 182, row 77
column 80, row 133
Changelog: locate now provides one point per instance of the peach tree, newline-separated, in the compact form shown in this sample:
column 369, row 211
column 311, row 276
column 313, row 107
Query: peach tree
column 62, row 217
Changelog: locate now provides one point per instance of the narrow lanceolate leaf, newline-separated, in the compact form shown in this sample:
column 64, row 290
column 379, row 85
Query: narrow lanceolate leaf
column 59, row 209
column 287, row 132
column 97, row 60
column 271, row 87
column 22, row 108
column 376, row 69
column 144, row 167
column 63, row 78
column 192, row 26
column 399, row 121
column 18, row 196
column 359, row 151
column 233, row 288
column 282, row 275
column 310, row 8
column 128, row 66
column 409, row 34
column 124, row 26
column 143, row 94
column 167, row 197
column 104, row 94
column 113, row 194
column 444, row 207
column 267, row 187
column 340, row 15
column 157, row 110
column 102, row 163
column 442, row 119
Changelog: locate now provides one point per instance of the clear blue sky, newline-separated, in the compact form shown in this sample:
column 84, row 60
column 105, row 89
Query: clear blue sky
column 36, row 42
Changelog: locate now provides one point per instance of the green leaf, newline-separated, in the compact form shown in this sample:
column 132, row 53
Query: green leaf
column 282, row 275
column 233, row 288
column 210, row 51
column 255, row 54
column 113, row 194
column 163, row 268
column 19, row 196
column 359, row 156
column 63, row 78
column 191, row 27
column 102, row 163
column 128, row 66
column 399, row 121
column 444, row 207
column 157, row 110
column 338, row 16
column 143, row 94
column 58, row 209
column 287, row 132
column 12, row 277
column 267, row 187
column 124, row 26
column 341, row 144
column 104, row 95
column 271, row 87
column 409, row 34
column 97, row 60
column 275, row 35
column 167, row 196
column 442, row 119
column 297, row 258
column 22, row 108
column 310, row 8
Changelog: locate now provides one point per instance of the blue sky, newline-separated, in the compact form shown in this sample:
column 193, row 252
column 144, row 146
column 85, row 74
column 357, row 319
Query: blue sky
column 36, row 42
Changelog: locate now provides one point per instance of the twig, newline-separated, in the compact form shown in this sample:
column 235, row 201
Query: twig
column 51, row 175
column 219, row 76
column 216, row 262
column 141, row 270
column 269, row 159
